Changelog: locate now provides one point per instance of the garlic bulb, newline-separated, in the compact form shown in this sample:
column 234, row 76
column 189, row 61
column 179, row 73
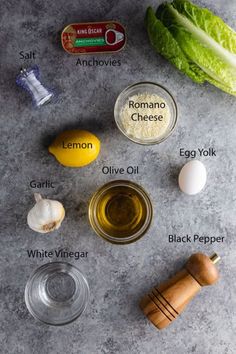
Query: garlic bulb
column 46, row 215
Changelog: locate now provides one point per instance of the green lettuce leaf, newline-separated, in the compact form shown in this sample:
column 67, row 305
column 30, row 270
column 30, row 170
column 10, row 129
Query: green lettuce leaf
column 165, row 44
column 204, row 42
column 211, row 24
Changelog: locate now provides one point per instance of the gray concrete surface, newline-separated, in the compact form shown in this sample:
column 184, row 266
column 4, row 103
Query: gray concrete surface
column 118, row 276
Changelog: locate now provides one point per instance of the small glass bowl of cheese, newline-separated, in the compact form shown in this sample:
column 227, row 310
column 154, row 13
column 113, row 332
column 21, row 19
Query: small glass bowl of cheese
column 146, row 113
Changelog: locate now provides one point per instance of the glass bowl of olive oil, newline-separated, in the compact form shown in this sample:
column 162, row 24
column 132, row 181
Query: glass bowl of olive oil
column 120, row 212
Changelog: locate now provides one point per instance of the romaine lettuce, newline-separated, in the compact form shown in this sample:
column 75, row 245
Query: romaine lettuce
column 196, row 41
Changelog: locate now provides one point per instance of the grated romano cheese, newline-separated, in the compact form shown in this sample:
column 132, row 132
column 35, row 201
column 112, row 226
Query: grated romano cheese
column 136, row 113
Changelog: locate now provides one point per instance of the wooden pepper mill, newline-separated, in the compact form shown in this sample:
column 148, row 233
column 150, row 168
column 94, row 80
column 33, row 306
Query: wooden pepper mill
column 166, row 301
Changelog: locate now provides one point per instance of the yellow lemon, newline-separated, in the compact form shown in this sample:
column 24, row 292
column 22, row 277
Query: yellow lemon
column 75, row 148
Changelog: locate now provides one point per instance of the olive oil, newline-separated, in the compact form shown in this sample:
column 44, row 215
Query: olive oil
column 120, row 212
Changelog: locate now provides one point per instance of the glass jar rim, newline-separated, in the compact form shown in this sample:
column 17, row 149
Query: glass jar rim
column 32, row 285
column 92, row 212
column 174, row 118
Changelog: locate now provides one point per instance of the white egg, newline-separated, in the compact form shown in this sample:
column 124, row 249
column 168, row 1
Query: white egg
column 192, row 177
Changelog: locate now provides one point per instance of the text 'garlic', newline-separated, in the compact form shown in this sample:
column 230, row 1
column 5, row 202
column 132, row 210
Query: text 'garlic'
column 46, row 215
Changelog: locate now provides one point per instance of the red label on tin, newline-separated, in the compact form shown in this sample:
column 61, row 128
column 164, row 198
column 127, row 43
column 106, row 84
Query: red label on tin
column 99, row 37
